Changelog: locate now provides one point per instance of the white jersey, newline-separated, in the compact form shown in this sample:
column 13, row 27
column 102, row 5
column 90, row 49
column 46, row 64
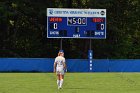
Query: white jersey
column 59, row 61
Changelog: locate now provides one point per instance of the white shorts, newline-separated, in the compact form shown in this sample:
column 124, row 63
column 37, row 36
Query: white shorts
column 59, row 71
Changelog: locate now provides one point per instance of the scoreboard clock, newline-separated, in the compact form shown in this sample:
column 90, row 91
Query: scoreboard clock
column 76, row 23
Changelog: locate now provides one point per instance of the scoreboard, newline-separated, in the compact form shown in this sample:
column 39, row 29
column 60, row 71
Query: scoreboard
column 76, row 23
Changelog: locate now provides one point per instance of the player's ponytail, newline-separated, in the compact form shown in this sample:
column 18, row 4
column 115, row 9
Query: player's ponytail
column 60, row 53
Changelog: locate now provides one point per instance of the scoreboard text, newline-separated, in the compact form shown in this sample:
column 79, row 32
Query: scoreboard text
column 76, row 23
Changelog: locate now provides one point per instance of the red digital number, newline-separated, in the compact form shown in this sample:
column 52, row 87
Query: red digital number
column 55, row 19
column 97, row 19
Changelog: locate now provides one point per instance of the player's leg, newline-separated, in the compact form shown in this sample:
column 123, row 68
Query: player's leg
column 58, row 77
column 58, row 80
column 61, row 78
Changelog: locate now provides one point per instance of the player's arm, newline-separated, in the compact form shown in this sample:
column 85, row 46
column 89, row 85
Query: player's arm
column 54, row 67
column 64, row 64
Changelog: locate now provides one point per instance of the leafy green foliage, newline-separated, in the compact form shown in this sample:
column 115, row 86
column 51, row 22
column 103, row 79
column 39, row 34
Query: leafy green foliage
column 23, row 29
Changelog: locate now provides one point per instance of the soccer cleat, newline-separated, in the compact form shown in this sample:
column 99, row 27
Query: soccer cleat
column 59, row 87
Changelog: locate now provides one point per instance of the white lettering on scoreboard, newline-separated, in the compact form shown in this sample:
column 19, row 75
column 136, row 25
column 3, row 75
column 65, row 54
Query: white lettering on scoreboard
column 76, row 12
column 76, row 23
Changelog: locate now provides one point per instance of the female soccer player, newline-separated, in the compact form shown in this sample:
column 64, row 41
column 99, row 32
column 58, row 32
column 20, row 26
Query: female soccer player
column 59, row 67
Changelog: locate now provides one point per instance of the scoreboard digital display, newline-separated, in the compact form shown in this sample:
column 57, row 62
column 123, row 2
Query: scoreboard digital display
column 76, row 23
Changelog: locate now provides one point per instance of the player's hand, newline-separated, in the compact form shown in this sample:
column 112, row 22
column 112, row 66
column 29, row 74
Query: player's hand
column 66, row 70
column 54, row 71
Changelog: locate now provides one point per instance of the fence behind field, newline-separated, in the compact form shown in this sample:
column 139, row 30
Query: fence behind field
column 73, row 65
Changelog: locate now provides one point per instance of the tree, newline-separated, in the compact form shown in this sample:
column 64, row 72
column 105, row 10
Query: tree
column 23, row 29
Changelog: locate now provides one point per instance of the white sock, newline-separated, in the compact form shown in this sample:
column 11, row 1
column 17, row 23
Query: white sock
column 61, row 82
column 58, row 82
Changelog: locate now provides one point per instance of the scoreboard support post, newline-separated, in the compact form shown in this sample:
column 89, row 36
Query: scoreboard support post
column 90, row 43
column 61, row 43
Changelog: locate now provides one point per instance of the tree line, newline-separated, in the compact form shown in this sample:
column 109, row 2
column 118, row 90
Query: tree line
column 23, row 30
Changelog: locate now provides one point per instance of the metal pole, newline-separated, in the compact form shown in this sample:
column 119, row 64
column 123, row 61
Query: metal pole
column 90, row 43
column 61, row 44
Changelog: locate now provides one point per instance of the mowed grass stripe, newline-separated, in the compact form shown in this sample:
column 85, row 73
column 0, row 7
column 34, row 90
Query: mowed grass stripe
column 73, row 83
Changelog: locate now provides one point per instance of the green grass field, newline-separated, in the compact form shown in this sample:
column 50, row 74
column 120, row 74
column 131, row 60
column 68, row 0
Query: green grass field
column 73, row 83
